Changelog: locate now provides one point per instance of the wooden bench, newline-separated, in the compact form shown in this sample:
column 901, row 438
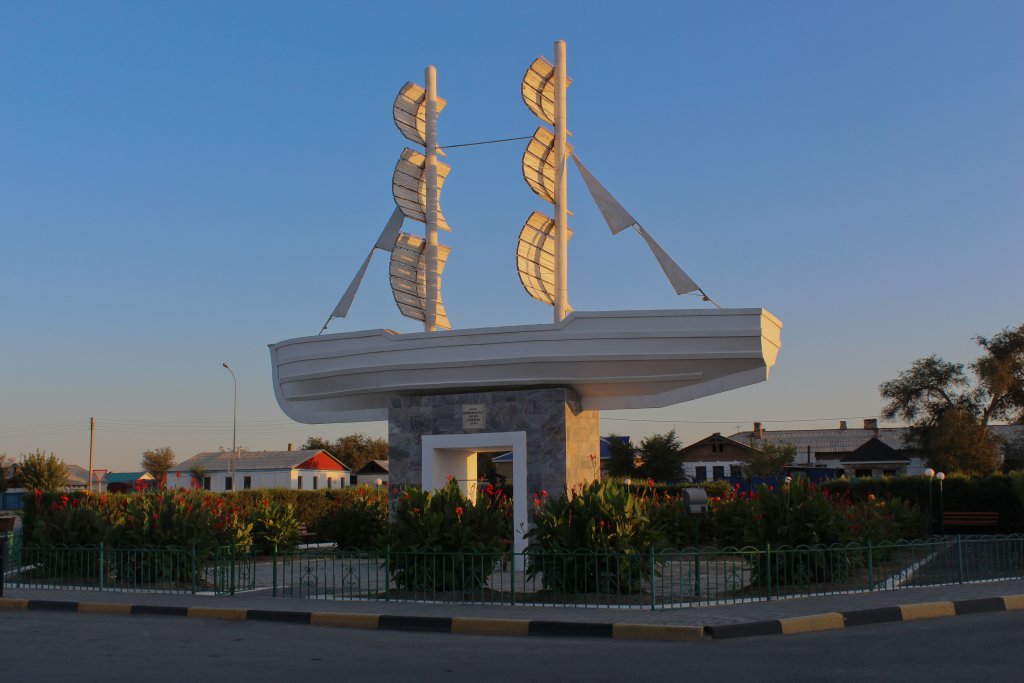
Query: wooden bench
column 981, row 519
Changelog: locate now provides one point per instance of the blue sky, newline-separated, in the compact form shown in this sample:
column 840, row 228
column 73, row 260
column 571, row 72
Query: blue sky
column 183, row 183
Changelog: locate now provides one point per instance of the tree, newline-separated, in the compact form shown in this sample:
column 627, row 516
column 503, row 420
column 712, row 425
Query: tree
column 1013, row 453
column 768, row 459
column 622, row 462
column 44, row 472
column 157, row 461
column 197, row 473
column 6, row 471
column 949, row 411
column 662, row 457
column 355, row 450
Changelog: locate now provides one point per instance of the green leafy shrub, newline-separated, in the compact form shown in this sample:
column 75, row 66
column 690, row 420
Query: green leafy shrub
column 443, row 541
column 596, row 538
column 274, row 527
column 358, row 519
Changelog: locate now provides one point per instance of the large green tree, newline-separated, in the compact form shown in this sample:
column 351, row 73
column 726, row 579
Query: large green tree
column 662, row 457
column 6, row 471
column 949, row 408
column 44, row 472
column 768, row 459
column 158, row 461
column 355, row 450
column 622, row 460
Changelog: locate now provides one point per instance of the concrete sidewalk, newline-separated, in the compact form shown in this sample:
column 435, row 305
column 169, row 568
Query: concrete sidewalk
column 722, row 621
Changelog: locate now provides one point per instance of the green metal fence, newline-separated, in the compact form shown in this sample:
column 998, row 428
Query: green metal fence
column 172, row 569
column 654, row 580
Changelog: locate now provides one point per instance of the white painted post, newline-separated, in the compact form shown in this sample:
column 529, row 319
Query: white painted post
column 561, row 210
column 430, row 321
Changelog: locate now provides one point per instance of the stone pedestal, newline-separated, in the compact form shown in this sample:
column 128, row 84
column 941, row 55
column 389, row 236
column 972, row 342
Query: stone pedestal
column 555, row 444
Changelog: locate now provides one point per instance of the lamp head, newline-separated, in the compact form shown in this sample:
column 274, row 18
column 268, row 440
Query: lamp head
column 929, row 473
column 940, row 476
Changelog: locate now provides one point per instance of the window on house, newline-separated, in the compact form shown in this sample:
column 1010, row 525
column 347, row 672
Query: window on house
column 206, row 483
column 227, row 483
column 718, row 472
column 862, row 473
column 329, row 482
column 314, row 483
column 736, row 470
column 888, row 473
column 246, row 483
column 299, row 480
column 700, row 473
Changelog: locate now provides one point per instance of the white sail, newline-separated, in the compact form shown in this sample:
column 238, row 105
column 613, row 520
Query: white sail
column 409, row 112
column 540, row 169
column 409, row 186
column 385, row 242
column 615, row 215
column 408, row 273
column 618, row 219
column 535, row 257
column 539, row 89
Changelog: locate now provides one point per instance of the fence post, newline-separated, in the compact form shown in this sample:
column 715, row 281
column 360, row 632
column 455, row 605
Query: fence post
column 653, row 595
column 273, row 561
column 231, row 584
column 3, row 559
column 102, row 568
column 195, row 570
column 871, row 580
column 768, row 563
column 512, row 568
column 387, row 572
column 696, row 575
column 960, row 556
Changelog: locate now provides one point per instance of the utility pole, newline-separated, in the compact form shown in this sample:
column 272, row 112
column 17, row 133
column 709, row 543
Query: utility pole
column 92, row 433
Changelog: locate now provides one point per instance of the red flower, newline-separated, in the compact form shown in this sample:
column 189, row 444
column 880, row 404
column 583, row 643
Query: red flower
column 178, row 474
column 458, row 511
column 650, row 482
column 543, row 493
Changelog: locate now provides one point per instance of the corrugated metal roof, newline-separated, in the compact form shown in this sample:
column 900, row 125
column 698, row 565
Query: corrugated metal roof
column 247, row 460
column 826, row 441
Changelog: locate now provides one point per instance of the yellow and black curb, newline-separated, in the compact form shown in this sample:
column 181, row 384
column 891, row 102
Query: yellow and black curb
column 522, row 627
column 879, row 615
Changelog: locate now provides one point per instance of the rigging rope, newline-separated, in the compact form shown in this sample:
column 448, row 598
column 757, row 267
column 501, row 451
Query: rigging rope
column 484, row 142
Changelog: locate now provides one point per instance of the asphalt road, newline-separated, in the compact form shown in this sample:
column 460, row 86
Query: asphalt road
column 41, row 646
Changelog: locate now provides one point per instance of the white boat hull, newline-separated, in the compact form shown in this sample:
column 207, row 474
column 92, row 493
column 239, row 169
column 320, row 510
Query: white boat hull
column 614, row 359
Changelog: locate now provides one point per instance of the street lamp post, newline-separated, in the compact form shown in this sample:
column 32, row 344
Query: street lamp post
column 930, row 473
column 234, row 428
column 942, row 508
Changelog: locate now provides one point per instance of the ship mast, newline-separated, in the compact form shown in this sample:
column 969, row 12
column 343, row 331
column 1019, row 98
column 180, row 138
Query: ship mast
column 561, row 186
column 432, row 275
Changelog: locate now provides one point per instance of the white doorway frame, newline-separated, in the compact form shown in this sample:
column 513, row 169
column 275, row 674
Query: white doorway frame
column 441, row 454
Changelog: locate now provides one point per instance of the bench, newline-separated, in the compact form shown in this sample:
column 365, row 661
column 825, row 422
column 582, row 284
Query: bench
column 305, row 535
column 981, row 519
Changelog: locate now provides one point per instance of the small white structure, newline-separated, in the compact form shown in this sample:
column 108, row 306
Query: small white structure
column 227, row 471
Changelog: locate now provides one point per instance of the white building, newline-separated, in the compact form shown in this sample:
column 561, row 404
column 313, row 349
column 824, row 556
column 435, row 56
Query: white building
column 311, row 470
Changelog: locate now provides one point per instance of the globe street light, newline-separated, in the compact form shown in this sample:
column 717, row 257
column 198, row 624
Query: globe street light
column 234, row 427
